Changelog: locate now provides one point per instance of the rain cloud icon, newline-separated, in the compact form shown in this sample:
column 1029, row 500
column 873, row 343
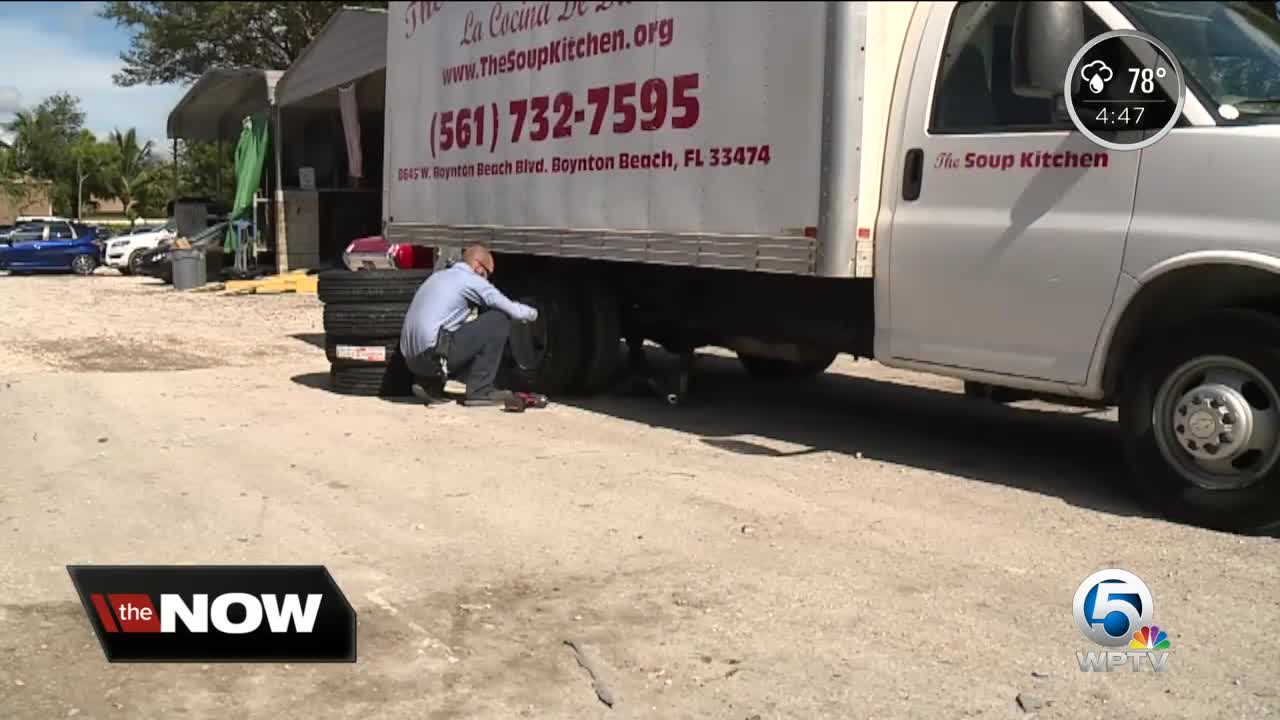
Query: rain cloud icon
column 1098, row 74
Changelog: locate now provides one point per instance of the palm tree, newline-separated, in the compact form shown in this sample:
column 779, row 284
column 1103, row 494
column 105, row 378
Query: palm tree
column 11, row 185
column 130, row 173
column 24, row 131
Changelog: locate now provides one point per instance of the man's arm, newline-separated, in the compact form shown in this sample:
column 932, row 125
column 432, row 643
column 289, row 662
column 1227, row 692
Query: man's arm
column 482, row 292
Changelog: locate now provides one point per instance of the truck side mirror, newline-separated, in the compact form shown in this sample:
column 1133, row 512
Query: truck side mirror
column 1046, row 35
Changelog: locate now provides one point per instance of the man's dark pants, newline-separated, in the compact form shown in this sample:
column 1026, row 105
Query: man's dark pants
column 475, row 353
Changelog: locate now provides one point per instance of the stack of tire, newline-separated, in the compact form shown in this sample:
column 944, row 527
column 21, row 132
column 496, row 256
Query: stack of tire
column 363, row 313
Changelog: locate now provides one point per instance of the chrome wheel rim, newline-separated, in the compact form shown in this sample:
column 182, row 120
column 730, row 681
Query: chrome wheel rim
column 82, row 265
column 1217, row 421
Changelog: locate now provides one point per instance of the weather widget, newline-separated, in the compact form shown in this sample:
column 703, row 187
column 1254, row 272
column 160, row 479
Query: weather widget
column 1124, row 90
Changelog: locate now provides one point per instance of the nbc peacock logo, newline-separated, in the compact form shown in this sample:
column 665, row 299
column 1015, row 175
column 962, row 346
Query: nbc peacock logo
column 1108, row 606
column 1150, row 638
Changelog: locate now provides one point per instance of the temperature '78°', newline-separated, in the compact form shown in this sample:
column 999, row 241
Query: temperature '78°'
column 1147, row 76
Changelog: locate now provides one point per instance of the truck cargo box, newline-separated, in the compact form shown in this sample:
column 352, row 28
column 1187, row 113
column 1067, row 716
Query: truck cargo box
column 678, row 133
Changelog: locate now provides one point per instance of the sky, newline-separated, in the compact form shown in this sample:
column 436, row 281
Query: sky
column 51, row 47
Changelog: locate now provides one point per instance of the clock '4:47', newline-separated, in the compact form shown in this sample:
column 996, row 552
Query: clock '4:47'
column 1122, row 117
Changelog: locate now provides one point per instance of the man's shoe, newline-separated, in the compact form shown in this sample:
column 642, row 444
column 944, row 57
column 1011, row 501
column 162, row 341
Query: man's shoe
column 429, row 394
column 496, row 398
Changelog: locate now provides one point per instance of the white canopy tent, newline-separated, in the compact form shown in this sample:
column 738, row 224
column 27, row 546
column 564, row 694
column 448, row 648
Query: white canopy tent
column 351, row 47
column 214, row 106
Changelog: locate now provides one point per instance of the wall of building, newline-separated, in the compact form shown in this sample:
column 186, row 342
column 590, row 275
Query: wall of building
column 104, row 206
column 35, row 201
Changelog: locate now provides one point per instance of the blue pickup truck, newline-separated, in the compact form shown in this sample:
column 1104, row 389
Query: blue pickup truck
column 55, row 245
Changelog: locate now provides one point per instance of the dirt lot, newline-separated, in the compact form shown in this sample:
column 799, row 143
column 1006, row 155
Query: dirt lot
column 868, row 545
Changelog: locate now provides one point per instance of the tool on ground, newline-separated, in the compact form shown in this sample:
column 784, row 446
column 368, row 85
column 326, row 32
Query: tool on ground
column 533, row 400
column 521, row 401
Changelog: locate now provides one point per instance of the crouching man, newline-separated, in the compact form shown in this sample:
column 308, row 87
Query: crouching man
column 435, row 329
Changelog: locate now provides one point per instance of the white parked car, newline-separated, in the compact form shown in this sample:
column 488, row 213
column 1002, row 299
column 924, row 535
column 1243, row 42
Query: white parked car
column 125, row 252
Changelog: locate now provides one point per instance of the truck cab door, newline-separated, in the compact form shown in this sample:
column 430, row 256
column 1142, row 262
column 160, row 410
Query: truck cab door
column 1008, row 226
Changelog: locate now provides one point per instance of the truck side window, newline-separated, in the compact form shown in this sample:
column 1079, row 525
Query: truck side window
column 975, row 81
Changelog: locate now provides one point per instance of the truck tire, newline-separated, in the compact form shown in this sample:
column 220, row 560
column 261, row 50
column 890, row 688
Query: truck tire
column 1201, row 421
column 372, row 320
column 369, row 286
column 343, row 358
column 603, row 333
column 381, row 380
column 766, row 368
column 547, row 356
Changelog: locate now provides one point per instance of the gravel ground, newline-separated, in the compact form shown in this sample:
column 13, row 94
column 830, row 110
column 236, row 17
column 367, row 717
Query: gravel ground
column 870, row 544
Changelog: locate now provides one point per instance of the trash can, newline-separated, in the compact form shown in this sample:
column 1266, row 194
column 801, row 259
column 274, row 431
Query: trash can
column 188, row 269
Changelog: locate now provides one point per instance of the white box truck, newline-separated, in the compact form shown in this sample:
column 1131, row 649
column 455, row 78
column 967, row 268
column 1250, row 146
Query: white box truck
column 908, row 182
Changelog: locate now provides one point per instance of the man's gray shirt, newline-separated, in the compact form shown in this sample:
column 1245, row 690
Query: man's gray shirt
column 445, row 300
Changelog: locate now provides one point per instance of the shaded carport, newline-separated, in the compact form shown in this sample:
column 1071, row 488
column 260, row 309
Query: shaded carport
column 213, row 109
column 338, row 196
column 214, row 106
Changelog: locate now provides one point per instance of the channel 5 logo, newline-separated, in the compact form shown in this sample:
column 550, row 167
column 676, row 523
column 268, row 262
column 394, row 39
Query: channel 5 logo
column 1114, row 608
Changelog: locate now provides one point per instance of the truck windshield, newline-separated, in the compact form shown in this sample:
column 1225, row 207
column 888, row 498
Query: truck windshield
column 1230, row 50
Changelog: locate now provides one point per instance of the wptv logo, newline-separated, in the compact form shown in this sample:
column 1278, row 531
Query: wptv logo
column 1114, row 609
column 217, row 613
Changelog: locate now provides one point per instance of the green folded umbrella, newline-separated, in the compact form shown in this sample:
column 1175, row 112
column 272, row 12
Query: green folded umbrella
column 251, row 154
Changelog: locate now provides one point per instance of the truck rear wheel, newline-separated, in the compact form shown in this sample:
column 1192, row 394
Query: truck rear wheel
column 1201, row 421
column 547, row 355
column 603, row 329
column 767, row 368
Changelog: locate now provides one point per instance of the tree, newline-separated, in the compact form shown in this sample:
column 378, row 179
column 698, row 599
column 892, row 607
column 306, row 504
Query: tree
column 7, row 170
column 179, row 41
column 43, row 137
column 93, row 161
column 208, row 172
column 153, row 197
column 13, row 185
column 131, row 170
